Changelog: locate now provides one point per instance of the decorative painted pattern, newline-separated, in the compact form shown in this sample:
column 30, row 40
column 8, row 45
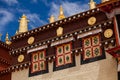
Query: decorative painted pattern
column 63, row 54
column 38, row 61
column 91, row 47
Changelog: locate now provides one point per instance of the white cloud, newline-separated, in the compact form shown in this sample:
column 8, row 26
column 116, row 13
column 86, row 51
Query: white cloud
column 45, row 2
column 73, row 8
column 5, row 18
column 35, row 20
column 20, row 10
column 68, row 7
column 10, row 2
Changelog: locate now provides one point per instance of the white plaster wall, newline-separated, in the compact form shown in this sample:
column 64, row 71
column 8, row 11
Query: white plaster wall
column 105, row 69
column 20, row 75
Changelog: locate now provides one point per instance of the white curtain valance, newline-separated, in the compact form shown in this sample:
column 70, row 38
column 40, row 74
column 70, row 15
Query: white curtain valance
column 89, row 33
column 38, row 48
column 62, row 41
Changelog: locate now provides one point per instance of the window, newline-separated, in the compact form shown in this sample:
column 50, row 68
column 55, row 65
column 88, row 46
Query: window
column 92, row 49
column 64, row 58
column 39, row 65
column 38, row 61
column 63, row 55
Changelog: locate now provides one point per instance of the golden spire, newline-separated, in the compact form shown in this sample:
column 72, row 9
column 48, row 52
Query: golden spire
column 104, row 1
column 52, row 19
column 23, row 26
column 92, row 4
column 7, row 41
column 24, row 16
column 61, row 14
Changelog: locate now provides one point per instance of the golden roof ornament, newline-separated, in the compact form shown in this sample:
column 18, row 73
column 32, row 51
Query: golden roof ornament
column 91, row 20
column 61, row 13
column 59, row 31
column 23, row 26
column 52, row 19
column 24, row 16
column 31, row 40
column 108, row 33
column 7, row 41
column 21, row 58
column 92, row 4
column 105, row 1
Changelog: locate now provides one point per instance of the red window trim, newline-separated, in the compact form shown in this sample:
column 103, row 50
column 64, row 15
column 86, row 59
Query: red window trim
column 63, row 54
column 32, row 71
column 91, row 46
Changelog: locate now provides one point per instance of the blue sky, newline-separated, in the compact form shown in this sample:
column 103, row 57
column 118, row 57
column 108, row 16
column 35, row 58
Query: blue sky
column 37, row 11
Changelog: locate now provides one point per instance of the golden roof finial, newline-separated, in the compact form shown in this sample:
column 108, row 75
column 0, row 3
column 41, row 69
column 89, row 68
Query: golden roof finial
column 104, row 1
column 7, row 41
column 61, row 14
column 52, row 19
column 24, row 16
column 23, row 26
column 92, row 4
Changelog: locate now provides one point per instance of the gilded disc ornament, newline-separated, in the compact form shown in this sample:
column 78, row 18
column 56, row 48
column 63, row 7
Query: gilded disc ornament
column 31, row 40
column 108, row 33
column 20, row 58
column 91, row 20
